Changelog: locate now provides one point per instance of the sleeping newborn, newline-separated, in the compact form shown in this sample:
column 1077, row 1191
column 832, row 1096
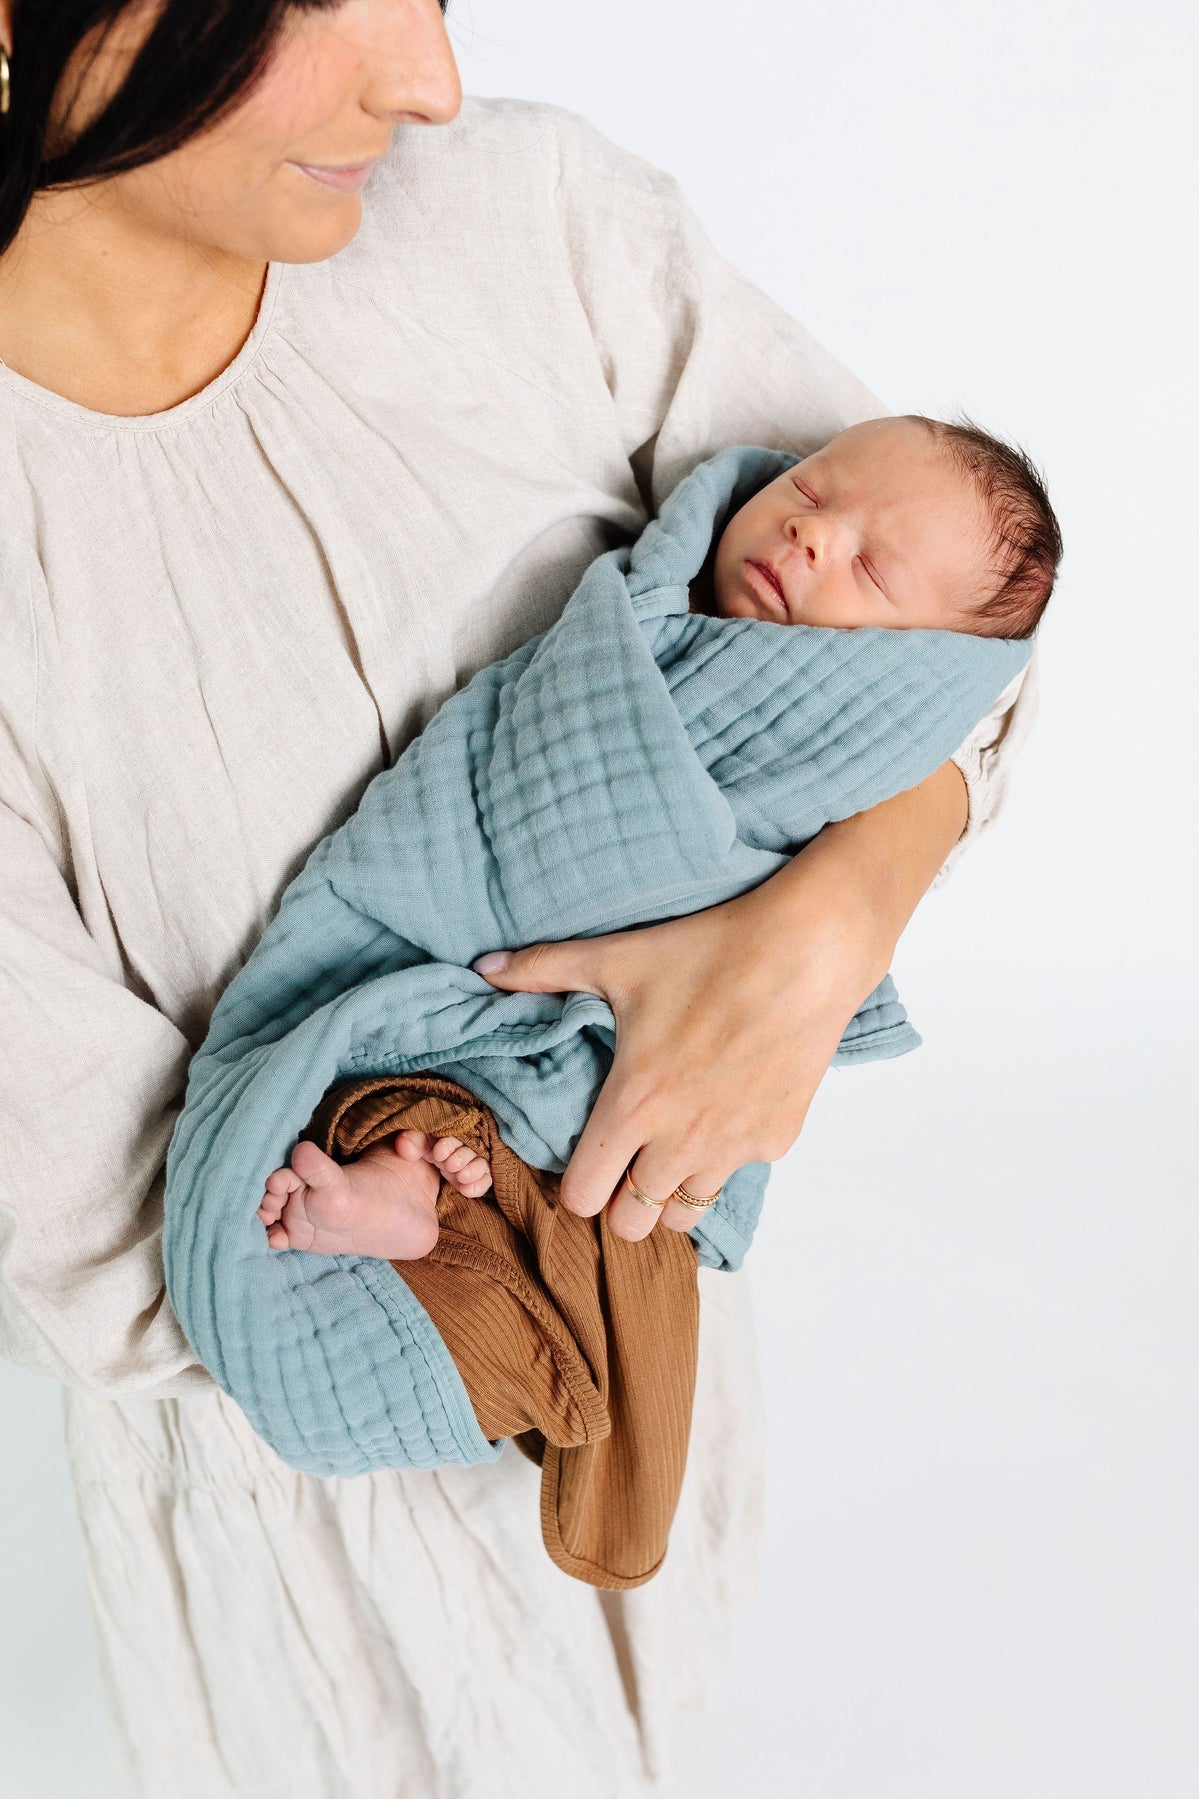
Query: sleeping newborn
column 905, row 523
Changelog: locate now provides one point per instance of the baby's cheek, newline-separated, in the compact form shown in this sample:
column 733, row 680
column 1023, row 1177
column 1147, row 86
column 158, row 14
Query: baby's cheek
column 738, row 606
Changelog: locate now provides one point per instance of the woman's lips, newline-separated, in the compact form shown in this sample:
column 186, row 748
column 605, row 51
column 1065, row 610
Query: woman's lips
column 767, row 583
column 342, row 181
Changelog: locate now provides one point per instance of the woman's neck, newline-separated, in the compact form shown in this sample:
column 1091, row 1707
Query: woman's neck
column 120, row 320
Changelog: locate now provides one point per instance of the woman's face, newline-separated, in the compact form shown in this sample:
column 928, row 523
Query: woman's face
column 278, row 178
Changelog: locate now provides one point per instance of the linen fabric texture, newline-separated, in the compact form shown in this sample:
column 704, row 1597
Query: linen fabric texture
column 218, row 623
column 633, row 762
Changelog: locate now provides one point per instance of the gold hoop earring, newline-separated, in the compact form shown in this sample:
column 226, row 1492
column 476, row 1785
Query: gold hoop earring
column 5, row 82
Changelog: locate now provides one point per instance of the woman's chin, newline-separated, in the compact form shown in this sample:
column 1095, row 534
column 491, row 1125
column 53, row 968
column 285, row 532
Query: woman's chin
column 318, row 229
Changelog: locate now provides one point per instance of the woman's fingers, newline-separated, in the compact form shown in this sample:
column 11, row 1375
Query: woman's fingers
column 571, row 966
column 575, row 965
column 629, row 1217
column 661, row 1167
column 612, row 1136
column 678, row 1217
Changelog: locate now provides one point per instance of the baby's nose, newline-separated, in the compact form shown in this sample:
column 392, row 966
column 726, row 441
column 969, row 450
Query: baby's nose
column 811, row 539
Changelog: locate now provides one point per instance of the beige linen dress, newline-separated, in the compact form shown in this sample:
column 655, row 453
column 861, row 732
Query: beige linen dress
column 217, row 624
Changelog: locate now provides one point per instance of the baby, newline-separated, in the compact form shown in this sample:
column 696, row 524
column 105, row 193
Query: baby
column 907, row 523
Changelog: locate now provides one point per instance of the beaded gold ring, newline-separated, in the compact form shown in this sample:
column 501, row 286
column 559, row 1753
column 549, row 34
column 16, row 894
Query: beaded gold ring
column 696, row 1202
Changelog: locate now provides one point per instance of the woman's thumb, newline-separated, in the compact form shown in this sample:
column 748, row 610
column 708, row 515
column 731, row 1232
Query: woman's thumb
column 542, row 968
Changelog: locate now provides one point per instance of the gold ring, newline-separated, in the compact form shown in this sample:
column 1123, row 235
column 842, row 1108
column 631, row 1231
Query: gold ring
column 697, row 1202
column 638, row 1194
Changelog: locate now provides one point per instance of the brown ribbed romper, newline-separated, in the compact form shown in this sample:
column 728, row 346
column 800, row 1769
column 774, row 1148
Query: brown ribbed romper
column 579, row 1345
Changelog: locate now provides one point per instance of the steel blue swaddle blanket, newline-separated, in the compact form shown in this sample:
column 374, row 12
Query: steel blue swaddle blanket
column 633, row 762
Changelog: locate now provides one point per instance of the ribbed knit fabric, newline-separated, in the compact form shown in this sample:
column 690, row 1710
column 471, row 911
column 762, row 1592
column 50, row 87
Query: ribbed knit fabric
column 579, row 1345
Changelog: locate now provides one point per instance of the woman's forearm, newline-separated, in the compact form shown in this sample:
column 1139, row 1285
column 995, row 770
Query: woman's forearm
column 858, row 883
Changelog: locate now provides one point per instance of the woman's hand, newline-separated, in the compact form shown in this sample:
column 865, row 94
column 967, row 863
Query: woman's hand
column 727, row 1019
column 724, row 1028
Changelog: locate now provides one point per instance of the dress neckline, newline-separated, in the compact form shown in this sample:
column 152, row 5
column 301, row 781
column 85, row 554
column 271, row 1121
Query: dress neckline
column 22, row 388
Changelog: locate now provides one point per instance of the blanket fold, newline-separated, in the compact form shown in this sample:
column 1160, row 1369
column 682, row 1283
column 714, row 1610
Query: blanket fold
column 631, row 763
column 577, row 1344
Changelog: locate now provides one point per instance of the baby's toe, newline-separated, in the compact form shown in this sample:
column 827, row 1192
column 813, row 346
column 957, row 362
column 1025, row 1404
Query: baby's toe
column 313, row 1166
column 465, row 1170
column 278, row 1186
column 413, row 1145
column 474, row 1178
column 455, row 1156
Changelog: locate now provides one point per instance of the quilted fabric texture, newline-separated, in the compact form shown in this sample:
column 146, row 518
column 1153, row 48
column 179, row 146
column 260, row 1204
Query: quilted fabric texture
column 631, row 763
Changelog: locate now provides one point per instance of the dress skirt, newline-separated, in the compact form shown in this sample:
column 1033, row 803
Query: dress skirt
column 398, row 1635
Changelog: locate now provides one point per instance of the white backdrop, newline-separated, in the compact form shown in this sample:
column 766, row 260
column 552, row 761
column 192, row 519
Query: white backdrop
column 975, row 1281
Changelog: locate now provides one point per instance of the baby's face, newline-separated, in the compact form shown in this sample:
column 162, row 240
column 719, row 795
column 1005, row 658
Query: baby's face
column 880, row 527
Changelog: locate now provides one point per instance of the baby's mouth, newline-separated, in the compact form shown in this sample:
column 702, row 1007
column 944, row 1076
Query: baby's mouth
column 766, row 578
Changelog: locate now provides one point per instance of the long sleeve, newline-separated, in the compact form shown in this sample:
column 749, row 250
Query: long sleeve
column 88, row 1099
column 697, row 357
column 90, row 1078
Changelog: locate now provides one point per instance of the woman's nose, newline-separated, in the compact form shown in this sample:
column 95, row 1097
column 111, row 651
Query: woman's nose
column 418, row 81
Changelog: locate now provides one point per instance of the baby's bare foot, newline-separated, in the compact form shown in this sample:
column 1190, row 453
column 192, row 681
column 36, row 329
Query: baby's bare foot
column 378, row 1205
column 382, row 1204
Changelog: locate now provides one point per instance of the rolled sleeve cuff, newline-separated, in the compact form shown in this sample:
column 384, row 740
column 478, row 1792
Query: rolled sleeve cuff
column 986, row 757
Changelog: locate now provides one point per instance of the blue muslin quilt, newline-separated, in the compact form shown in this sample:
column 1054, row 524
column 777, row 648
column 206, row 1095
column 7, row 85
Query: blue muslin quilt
column 631, row 763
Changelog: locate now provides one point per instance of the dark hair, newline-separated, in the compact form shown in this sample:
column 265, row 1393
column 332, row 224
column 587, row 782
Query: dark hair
column 199, row 59
column 1026, row 541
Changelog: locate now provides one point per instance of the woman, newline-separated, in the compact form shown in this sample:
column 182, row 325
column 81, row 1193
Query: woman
column 281, row 467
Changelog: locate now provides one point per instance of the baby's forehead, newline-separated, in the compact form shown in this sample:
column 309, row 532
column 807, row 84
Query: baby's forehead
column 894, row 461
column 882, row 443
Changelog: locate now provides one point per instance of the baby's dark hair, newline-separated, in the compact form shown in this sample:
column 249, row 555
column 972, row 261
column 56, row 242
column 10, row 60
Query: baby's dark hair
column 1026, row 538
